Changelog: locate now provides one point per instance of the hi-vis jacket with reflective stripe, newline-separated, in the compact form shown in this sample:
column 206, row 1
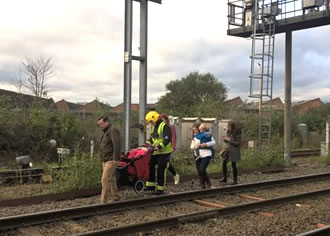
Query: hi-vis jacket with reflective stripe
column 161, row 136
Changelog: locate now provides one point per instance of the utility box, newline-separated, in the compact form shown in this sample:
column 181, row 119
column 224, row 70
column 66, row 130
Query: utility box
column 303, row 131
column 176, row 122
column 325, row 149
column 312, row 3
column 186, row 131
column 272, row 10
column 248, row 18
column 24, row 162
column 222, row 131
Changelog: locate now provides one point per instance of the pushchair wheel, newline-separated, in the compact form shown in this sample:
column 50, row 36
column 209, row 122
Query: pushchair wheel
column 139, row 186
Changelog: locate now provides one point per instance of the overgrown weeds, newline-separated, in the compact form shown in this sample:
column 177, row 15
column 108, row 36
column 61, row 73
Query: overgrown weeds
column 83, row 172
column 262, row 159
column 251, row 160
column 80, row 172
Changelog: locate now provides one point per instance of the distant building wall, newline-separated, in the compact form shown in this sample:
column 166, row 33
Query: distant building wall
column 304, row 107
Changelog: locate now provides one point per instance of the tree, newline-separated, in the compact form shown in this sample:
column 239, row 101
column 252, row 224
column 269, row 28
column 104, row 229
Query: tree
column 192, row 94
column 37, row 71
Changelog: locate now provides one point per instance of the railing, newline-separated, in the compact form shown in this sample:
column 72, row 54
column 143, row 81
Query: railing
column 289, row 8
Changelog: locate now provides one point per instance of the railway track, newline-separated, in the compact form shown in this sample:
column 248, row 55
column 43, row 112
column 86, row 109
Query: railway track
column 325, row 231
column 13, row 222
column 34, row 174
column 305, row 152
column 20, row 176
column 204, row 215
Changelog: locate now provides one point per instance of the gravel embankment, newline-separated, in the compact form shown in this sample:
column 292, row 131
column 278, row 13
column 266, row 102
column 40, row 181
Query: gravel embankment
column 287, row 220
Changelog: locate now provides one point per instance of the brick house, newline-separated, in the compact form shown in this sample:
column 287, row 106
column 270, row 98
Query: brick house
column 25, row 102
column 237, row 101
column 134, row 107
column 88, row 108
column 277, row 104
column 302, row 107
column 63, row 105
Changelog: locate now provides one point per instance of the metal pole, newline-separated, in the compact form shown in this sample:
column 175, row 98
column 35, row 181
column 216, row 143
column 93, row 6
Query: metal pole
column 327, row 138
column 127, row 73
column 260, row 106
column 92, row 148
column 327, row 141
column 143, row 68
column 287, row 114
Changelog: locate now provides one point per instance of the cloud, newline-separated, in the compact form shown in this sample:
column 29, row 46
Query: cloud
column 86, row 42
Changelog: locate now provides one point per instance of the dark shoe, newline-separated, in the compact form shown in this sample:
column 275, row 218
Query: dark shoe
column 158, row 192
column 207, row 181
column 150, row 189
column 202, row 181
column 224, row 180
column 234, row 183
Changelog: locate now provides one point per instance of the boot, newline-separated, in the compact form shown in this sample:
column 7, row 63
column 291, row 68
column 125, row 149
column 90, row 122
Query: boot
column 223, row 180
column 208, row 182
column 202, row 182
column 235, row 173
column 224, row 172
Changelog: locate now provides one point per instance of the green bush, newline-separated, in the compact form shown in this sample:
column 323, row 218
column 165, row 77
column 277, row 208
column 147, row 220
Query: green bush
column 263, row 159
column 325, row 160
column 183, row 162
column 80, row 172
column 251, row 160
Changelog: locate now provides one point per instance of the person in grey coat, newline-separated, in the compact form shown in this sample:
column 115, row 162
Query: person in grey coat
column 233, row 140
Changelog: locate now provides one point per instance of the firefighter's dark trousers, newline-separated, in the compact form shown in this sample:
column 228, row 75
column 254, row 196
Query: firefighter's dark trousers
column 161, row 161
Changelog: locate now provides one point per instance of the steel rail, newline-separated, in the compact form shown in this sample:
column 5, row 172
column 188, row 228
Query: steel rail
column 305, row 152
column 38, row 199
column 13, row 222
column 325, row 231
column 11, row 175
column 201, row 216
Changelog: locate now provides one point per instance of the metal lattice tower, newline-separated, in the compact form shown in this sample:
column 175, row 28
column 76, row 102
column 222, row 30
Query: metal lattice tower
column 263, row 14
column 291, row 15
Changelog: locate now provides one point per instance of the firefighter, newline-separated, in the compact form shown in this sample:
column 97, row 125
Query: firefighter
column 160, row 141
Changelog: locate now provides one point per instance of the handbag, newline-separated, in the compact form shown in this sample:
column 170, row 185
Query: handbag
column 224, row 152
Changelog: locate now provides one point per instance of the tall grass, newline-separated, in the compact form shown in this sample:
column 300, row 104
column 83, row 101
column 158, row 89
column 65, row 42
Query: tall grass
column 83, row 172
column 80, row 172
column 263, row 159
column 251, row 160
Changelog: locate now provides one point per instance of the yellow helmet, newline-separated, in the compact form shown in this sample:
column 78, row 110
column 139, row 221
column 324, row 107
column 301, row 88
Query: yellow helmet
column 152, row 116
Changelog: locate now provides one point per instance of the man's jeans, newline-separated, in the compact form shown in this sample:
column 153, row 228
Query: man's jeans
column 109, row 182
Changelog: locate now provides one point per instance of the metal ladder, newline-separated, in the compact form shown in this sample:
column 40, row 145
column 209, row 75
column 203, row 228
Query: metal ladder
column 262, row 63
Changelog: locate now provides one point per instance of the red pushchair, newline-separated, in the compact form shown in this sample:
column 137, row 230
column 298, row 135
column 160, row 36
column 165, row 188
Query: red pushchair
column 133, row 169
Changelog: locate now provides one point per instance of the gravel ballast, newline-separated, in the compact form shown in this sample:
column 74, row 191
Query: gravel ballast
column 287, row 220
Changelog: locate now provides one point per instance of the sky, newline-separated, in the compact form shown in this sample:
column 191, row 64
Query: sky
column 85, row 40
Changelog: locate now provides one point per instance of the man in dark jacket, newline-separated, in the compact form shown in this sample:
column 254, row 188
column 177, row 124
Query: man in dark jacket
column 110, row 155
